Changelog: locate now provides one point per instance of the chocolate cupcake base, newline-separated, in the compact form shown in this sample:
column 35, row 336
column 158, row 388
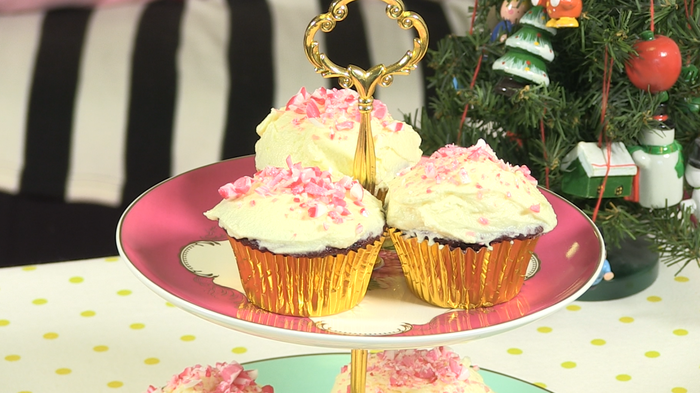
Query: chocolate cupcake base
column 308, row 286
column 470, row 277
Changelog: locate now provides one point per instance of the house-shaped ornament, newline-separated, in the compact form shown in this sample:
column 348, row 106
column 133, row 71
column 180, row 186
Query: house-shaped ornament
column 584, row 169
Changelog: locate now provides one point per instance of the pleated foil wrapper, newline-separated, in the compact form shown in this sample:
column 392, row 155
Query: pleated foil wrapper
column 458, row 278
column 305, row 287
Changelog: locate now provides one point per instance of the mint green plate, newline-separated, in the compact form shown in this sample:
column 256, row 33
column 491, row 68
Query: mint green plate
column 316, row 374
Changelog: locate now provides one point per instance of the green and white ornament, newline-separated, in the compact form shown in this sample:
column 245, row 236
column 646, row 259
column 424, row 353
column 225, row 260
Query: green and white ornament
column 529, row 49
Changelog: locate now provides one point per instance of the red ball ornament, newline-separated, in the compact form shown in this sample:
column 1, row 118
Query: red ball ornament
column 658, row 65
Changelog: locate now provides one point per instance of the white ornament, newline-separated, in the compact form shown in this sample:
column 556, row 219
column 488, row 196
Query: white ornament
column 692, row 176
column 660, row 174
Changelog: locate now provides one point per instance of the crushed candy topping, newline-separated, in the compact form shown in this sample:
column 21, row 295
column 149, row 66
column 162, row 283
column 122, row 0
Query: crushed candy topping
column 323, row 106
column 410, row 366
column 221, row 378
column 313, row 189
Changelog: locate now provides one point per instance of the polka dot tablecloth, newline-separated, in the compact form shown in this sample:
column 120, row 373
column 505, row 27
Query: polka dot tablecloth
column 91, row 326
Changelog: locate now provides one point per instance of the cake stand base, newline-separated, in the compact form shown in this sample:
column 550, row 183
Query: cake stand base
column 635, row 267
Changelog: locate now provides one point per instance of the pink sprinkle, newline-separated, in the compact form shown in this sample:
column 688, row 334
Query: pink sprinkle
column 483, row 221
column 312, row 110
column 430, row 170
column 363, row 211
column 356, row 191
column 428, row 191
column 315, row 137
column 358, row 229
column 398, row 126
column 325, row 226
column 535, row 208
column 252, row 202
column 479, row 195
column 345, row 125
column 379, row 109
column 318, row 210
column 508, row 194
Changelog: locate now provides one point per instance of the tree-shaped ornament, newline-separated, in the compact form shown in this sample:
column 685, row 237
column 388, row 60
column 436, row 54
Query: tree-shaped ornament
column 529, row 51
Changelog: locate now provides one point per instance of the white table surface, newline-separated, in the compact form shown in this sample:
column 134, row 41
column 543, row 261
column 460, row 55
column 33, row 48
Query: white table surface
column 91, row 326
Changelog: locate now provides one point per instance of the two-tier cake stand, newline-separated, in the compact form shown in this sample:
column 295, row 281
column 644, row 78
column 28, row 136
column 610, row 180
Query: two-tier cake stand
column 184, row 257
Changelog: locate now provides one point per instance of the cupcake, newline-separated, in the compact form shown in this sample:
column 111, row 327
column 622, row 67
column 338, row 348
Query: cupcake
column 321, row 129
column 221, row 378
column 439, row 370
column 305, row 242
column 465, row 224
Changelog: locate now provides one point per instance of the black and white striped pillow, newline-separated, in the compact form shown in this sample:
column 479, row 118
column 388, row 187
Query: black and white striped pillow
column 97, row 105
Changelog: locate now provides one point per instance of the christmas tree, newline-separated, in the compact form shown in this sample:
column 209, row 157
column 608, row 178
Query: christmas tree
column 605, row 97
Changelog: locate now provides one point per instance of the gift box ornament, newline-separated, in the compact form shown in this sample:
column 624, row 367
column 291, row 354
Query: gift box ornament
column 584, row 169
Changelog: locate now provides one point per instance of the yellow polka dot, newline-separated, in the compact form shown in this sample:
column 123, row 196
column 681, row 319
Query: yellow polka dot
column 29, row 268
column 680, row 332
column 515, row 351
column 540, row 384
column 598, row 341
column 115, row 384
column 679, row 390
column 100, row 348
column 623, row 377
column 682, row 279
column 239, row 350
column 39, row 302
column 652, row 354
column 152, row 361
column 573, row 307
column 50, row 336
column 88, row 313
column 63, row 371
column 654, row 299
column 169, row 304
column 25, row 391
column 112, row 259
column 568, row 364
column 4, row 322
column 124, row 292
column 76, row 280
column 544, row 329
column 187, row 337
column 137, row 326
column 12, row 358
column 626, row 319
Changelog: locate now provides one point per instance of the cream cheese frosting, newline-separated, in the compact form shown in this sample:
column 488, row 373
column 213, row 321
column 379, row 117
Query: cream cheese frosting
column 469, row 195
column 438, row 370
column 321, row 129
column 298, row 210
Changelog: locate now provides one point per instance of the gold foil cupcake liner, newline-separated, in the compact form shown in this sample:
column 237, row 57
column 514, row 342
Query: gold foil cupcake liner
column 457, row 278
column 305, row 287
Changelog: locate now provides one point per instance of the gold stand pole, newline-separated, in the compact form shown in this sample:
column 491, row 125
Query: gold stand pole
column 358, row 370
column 365, row 82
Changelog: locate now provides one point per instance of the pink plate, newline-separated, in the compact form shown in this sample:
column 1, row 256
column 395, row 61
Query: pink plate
column 161, row 223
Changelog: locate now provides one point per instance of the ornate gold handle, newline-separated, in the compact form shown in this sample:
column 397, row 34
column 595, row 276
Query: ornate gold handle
column 365, row 82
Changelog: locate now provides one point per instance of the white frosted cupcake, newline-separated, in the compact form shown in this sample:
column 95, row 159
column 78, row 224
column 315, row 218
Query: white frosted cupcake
column 305, row 242
column 439, row 370
column 321, row 129
column 465, row 225
column 223, row 377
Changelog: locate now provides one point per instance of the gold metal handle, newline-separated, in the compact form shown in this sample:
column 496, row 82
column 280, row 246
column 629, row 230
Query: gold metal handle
column 365, row 82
